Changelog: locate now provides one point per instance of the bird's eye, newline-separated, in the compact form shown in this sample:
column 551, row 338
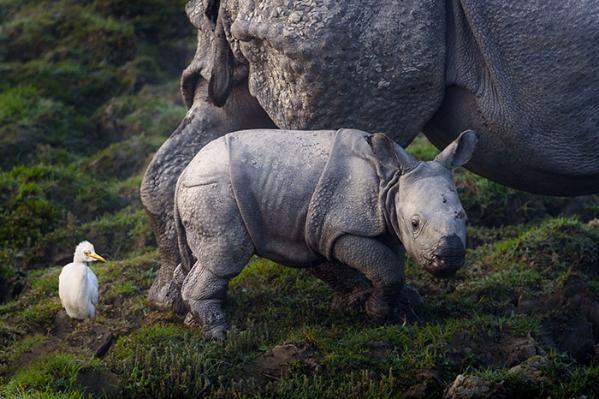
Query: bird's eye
column 86, row 253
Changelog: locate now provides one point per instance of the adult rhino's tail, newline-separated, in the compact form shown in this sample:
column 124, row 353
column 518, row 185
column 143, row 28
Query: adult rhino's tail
column 187, row 259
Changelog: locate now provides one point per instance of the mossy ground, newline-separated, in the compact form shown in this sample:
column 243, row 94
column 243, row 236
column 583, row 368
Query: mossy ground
column 88, row 90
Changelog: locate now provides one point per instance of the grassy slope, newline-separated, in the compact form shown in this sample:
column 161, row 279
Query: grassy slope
column 70, row 169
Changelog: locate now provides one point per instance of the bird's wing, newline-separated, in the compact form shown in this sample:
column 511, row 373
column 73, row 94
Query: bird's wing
column 93, row 287
column 62, row 284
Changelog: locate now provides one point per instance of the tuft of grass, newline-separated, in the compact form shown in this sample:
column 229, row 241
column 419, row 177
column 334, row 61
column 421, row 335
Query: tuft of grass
column 9, row 355
column 422, row 149
column 557, row 245
column 53, row 375
column 41, row 315
column 166, row 360
column 29, row 122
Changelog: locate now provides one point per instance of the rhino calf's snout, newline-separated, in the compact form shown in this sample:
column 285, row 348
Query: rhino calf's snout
column 448, row 257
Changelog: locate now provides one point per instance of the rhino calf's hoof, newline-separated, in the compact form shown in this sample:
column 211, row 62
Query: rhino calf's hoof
column 377, row 309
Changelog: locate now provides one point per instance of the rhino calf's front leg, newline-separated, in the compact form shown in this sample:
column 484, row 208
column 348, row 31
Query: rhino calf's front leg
column 380, row 265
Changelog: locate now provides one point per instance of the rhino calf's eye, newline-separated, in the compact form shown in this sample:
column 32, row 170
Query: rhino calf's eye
column 415, row 223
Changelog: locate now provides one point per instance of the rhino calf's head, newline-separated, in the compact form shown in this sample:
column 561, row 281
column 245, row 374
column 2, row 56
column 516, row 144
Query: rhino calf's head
column 428, row 216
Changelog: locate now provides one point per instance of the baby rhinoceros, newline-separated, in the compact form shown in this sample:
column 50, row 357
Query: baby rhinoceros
column 326, row 200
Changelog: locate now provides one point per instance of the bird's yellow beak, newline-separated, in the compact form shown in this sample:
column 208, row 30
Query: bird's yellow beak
column 97, row 257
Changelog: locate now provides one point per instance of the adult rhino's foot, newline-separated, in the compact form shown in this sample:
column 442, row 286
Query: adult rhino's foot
column 216, row 333
column 191, row 321
column 166, row 295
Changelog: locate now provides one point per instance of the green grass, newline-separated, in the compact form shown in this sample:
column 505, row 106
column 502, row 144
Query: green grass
column 88, row 91
column 53, row 375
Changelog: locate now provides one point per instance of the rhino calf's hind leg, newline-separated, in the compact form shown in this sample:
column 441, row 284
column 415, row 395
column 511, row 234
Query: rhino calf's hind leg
column 218, row 238
column 205, row 287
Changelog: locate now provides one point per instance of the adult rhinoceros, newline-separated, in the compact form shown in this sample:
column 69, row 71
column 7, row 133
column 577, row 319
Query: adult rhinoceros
column 524, row 74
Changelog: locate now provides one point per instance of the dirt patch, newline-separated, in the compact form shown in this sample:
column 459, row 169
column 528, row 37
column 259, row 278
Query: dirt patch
column 98, row 383
column 571, row 319
column 280, row 359
column 500, row 351
column 63, row 325
column 379, row 350
column 35, row 352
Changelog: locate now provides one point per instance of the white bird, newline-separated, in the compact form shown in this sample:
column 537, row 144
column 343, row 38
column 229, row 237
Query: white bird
column 78, row 285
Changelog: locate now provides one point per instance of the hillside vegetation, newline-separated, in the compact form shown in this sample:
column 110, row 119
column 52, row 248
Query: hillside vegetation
column 88, row 91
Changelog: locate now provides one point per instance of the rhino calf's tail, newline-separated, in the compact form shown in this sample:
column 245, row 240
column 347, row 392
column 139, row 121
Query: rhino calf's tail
column 187, row 259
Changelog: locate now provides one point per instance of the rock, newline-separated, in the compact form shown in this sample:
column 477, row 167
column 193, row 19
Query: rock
column 295, row 17
column 473, row 387
column 191, row 321
column 430, row 385
column 515, row 350
column 530, row 369
column 106, row 343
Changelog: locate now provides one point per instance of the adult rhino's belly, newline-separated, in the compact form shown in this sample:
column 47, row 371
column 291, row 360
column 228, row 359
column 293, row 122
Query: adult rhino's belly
column 373, row 65
column 533, row 95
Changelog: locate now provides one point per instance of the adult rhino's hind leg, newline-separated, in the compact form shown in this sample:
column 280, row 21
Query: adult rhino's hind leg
column 205, row 289
column 204, row 122
column 157, row 191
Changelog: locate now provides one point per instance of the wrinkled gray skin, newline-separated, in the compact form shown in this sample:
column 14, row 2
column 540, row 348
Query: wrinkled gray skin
column 345, row 197
column 523, row 74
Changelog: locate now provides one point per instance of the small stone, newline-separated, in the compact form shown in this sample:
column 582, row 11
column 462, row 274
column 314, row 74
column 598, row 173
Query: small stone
column 473, row 387
column 530, row 369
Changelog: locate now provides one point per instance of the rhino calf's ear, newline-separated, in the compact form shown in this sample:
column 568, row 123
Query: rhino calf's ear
column 459, row 152
column 389, row 153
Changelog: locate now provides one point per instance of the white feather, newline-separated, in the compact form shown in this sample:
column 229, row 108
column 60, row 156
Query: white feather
column 78, row 285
